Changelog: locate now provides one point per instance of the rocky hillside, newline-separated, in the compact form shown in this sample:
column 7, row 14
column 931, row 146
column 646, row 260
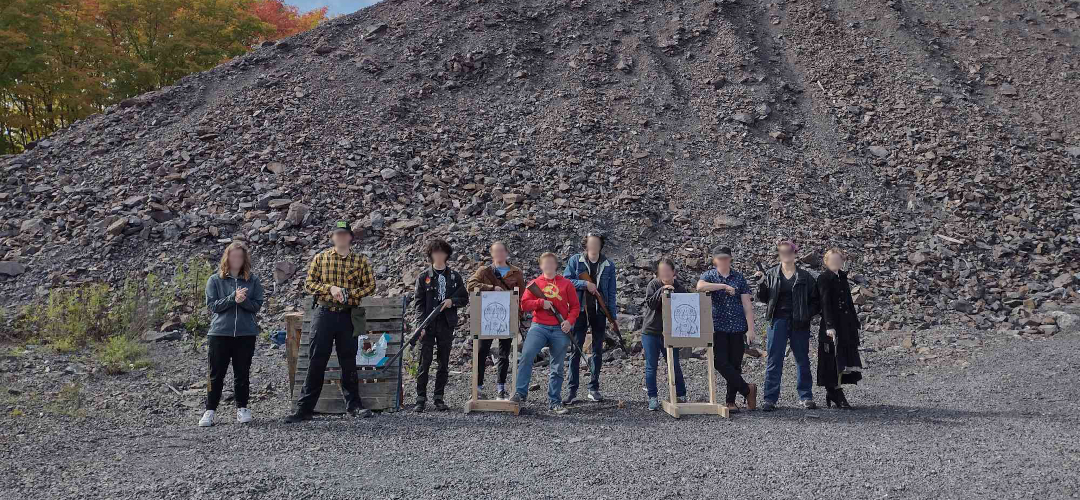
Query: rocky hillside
column 937, row 142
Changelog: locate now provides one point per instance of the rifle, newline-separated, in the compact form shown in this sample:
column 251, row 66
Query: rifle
column 585, row 276
column 417, row 334
column 534, row 289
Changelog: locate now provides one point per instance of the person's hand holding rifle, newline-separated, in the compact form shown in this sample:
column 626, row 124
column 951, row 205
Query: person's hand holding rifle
column 563, row 324
column 591, row 286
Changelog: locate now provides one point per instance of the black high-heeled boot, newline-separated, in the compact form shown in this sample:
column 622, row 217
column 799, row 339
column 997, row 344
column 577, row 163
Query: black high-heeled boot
column 841, row 399
column 830, row 397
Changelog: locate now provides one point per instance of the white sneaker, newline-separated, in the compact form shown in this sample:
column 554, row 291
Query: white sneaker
column 243, row 415
column 207, row 419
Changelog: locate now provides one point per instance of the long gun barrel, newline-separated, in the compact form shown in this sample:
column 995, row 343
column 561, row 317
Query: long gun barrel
column 607, row 312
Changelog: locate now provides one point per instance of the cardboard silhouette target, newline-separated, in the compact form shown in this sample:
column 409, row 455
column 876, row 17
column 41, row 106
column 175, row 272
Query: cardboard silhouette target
column 688, row 323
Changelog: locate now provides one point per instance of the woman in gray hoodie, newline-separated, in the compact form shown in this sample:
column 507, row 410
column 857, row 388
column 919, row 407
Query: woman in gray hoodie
column 234, row 297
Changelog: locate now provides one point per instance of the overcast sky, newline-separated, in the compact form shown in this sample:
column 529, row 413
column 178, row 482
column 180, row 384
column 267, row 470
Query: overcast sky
column 336, row 6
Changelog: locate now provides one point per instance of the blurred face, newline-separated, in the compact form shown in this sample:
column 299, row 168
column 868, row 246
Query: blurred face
column 665, row 273
column 236, row 259
column 786, row 254
column 722, row 263
column 499, row 253
column 549, row 265
column 835, row 262
column 438, row 257
column 341, row 239
column 593, row 245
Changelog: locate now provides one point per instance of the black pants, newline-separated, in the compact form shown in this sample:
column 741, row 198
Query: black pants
column 504, row 359
column 727, row 359
column 597, row 322
column 330, row 328
column 440, row 336
column 222, row 350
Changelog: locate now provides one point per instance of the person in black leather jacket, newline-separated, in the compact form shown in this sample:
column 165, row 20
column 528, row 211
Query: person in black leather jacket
column 438, row 286
column 792, row 298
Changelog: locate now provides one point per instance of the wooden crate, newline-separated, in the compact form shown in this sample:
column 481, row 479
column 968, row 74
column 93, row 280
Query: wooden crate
column 380, row 388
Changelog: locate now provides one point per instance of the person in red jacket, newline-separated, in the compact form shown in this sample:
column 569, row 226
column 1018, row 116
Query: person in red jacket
column 559, row 295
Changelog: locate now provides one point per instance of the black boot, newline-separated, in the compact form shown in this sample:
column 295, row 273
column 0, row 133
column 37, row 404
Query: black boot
column 299, row 416
column 419, row 408
column 440, row 405
column 841, row 399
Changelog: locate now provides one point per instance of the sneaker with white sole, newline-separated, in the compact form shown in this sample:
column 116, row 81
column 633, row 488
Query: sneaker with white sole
column 207, row 419
column 558, row 409
column 654, row 404
column 243, row 415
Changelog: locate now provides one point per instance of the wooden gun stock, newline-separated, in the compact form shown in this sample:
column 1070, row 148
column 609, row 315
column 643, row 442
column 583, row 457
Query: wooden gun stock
column 604, row 308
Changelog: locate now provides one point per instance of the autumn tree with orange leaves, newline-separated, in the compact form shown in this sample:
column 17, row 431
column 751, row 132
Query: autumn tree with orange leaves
column 63, row 60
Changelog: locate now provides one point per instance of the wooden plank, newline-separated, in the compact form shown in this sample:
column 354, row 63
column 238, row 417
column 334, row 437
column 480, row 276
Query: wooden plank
column 374, row 396
column 712, row 375
column 671, row 408
column 702, row 409
column 671, row 375
column 492, row 405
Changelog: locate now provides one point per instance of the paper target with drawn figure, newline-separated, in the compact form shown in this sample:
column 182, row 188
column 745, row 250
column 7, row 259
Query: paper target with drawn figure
column 687, row 320
column 495, row 315
column 685, row 315
column 372, row 351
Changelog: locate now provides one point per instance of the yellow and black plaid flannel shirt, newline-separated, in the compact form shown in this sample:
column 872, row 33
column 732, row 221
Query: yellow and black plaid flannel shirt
column 353, row 273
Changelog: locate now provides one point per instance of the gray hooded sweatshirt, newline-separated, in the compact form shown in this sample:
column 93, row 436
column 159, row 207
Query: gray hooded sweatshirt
column 229, row 317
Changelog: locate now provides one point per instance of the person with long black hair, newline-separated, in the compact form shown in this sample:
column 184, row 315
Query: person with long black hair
column 838, row 339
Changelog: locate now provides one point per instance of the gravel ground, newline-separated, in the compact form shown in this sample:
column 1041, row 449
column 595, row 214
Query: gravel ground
column 996, row 419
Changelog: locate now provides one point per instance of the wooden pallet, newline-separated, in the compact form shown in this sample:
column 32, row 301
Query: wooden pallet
column 380, row 387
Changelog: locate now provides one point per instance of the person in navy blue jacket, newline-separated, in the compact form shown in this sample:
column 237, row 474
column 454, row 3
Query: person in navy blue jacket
column 602, row 271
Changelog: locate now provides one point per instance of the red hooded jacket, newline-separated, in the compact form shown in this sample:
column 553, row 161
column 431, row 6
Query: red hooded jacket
column 560, row 291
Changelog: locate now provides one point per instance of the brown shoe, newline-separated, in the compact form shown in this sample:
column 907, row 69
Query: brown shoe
column 751, row 397
column 733, row 408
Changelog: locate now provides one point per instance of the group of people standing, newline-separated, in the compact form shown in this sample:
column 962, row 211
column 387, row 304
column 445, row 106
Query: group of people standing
column 568, row 306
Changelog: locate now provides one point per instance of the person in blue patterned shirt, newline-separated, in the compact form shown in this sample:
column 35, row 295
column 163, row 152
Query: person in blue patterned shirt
column 733, row 320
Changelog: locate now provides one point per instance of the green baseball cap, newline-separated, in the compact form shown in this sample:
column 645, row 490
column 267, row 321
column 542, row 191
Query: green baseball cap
column 342, row 226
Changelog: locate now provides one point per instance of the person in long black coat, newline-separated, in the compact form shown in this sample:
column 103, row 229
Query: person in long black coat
column 838, row 339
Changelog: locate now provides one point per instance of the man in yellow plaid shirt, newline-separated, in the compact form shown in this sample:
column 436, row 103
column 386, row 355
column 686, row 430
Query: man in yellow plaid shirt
column 339, row 279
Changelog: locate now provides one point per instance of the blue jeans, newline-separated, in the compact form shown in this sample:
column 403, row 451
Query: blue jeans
column 780, row 333
column 598, row 323
column 538, row 337
column 653, row 345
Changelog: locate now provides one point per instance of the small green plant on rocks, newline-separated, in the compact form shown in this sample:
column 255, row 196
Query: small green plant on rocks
column 121, row 353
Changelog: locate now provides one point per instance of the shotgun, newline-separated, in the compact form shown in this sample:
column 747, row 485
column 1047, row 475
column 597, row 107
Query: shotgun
column 584, row 276
column 417, row 334
column 534, row 289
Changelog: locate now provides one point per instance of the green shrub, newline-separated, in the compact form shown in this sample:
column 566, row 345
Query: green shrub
column 120, row 354
column 189, row 282
column 75, row 317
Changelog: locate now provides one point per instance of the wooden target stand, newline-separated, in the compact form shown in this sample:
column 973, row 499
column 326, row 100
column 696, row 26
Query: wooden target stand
column 704, row 339
column 481, row 327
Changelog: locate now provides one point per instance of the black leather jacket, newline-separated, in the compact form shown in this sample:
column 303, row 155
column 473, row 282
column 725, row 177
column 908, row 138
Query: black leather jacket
column 805, row 300
column 427, row 291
